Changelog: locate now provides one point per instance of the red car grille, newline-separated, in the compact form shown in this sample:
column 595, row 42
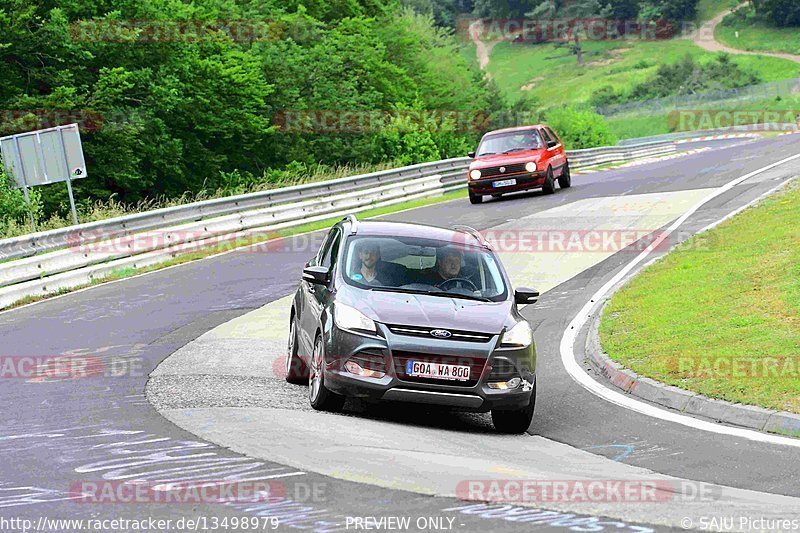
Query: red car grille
column 476, row 365
column 491, row 172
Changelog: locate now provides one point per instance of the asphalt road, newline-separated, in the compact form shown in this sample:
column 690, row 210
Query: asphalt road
column 58, row 433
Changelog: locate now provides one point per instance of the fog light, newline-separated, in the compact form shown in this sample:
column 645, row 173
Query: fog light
column 512, row 383
column 355, row 368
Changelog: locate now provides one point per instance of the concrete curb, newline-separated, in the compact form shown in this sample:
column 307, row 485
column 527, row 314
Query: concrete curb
column 684, row 401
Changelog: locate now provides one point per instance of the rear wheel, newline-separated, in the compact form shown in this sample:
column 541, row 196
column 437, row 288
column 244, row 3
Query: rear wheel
column 475, row 198
column 549, row 186
column 515, row 421
column 565, row 180
column 320, row 397
column 296, row 369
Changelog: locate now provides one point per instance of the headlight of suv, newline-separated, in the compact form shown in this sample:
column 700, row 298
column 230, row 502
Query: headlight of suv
column 351, row 319
column 530, row 167
column 475, row 174
column 520, row 336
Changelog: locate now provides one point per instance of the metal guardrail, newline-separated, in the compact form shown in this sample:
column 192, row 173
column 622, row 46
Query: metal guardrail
column 79, row 254
column 35, row 243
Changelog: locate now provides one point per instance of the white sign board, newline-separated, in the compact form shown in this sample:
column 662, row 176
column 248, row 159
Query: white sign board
column 44, row 156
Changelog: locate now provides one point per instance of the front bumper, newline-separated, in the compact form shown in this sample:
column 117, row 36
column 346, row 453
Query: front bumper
column 488, row 363
column 525, row 181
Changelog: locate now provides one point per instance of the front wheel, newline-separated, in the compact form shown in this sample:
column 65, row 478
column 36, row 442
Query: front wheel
column 296, row 369
column 516, row 421
column 475, row 198
column 320, row 397
column 549, row 186
column 565, row 179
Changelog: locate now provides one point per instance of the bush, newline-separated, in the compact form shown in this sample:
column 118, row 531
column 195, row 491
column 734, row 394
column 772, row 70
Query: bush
column 580, row 128
column 14, row 209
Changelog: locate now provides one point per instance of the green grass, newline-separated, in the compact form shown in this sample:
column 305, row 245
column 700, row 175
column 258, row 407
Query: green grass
column 758, row 36
column 720, row 315
column 127, row 272
column 631, row 126
column 619, row 64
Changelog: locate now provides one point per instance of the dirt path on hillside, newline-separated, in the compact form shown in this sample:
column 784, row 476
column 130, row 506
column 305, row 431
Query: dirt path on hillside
column 482, row 49
column 704, row 38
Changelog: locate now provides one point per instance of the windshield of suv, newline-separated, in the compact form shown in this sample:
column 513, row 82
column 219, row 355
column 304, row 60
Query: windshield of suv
column 423, row 266
column 501, row 143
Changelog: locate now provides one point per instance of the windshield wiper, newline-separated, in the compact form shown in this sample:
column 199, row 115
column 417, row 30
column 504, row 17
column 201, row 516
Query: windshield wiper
column 432, row 293
column 487, row 153
column 396, row 289
column 458, row 295
column 514, row 150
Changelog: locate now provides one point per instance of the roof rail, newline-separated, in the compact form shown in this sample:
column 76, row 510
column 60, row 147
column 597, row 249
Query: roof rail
column 353, row 223
column 471, row 231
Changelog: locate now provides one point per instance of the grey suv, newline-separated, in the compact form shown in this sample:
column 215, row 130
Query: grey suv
column 413, row 313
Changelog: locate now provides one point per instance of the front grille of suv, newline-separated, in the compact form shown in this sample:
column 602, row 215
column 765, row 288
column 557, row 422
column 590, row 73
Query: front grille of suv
column 419, row 331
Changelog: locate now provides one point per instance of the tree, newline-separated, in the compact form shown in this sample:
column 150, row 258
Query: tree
column 779, row 12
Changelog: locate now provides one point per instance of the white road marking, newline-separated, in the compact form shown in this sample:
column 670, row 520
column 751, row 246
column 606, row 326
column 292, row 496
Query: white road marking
column 623, row 400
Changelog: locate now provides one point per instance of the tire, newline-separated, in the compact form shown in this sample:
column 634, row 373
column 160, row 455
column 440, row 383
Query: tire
column 565, row 179
column 320, row 397
column 475, row 198
column 515, row 421
column 296, row 368
column 549, row 186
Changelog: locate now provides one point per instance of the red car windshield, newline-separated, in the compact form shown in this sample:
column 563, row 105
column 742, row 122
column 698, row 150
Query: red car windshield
column 516, row 141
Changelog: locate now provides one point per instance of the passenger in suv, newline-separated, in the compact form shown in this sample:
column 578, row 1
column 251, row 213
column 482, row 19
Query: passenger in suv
column 517, row 159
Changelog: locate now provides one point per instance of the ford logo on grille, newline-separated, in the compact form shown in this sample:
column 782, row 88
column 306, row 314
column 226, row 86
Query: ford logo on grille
column 441, row 333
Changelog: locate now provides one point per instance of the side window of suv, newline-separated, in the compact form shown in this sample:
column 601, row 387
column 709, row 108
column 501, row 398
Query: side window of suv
column 331, row 248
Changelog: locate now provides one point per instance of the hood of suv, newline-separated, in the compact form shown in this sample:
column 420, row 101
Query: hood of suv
column 506, row 159
column 430, row 311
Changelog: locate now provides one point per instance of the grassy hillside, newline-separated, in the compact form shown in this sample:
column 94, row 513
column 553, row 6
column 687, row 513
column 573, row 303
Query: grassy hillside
column 707, row 9
column 757, row 36
column 555, row 78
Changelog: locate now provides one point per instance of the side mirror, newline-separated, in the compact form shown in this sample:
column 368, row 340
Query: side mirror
column 318, row 275
column 524, row 295
column 471, row 154
column 552, row 144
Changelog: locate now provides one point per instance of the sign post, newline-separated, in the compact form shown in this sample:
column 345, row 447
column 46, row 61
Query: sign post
column 25, row 187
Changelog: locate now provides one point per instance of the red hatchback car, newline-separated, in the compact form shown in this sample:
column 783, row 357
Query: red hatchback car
column 517, row 159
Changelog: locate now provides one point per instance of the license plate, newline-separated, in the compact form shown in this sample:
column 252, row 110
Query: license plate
column 422, row 369
column 504, row 183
